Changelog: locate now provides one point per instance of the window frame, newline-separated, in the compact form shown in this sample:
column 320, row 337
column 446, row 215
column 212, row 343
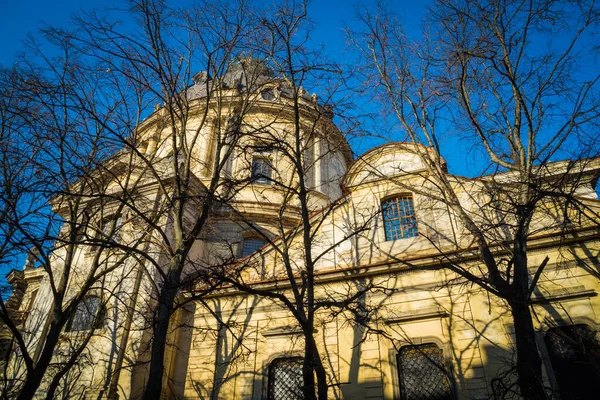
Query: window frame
column 251, row 238
column 446, row 369
column 271, row 373
column 100, row 237
column 107, row 227
column 266, row 93
column 262, row 153
column 95, row 322
column 260, row 178
column 390, row 222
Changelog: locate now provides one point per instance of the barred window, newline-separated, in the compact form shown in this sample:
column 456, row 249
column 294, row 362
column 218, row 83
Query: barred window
column 422, row 374
column 251, row 245
column 574, row 351
column 399, row 218
column 87, row 315
column 285, row 379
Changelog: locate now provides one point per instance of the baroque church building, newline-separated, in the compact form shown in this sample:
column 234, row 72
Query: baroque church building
column 393, row 318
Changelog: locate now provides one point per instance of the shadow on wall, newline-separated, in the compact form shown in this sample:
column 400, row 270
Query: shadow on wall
column 230, row 347
column 503, row 381
column 482, row 366
column 363, row 390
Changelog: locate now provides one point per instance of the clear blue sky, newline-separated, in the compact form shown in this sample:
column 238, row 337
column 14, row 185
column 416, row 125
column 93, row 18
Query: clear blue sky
column 20, row 17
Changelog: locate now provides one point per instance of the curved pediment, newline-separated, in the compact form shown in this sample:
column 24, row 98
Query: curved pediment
column 386, row 161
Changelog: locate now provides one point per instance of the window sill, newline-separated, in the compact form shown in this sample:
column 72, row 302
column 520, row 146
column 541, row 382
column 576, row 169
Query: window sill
column 398, row 239
column 80, row 334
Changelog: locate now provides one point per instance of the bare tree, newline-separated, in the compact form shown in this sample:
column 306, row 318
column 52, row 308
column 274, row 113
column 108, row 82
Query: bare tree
column 183, row 150
column 295, row 163
column 50, row 149
column 171, row 169
column 492, row 71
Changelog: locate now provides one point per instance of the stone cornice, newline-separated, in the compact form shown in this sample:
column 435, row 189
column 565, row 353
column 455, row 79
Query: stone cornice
column 429, row 261
column 567, row 295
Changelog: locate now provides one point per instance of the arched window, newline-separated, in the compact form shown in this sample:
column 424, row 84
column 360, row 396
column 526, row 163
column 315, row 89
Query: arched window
column 87, row 315
column 574, row 353
column 285, row 379
column 268, row 94
column 251, row 245
column 399, row 218
column 422, row 373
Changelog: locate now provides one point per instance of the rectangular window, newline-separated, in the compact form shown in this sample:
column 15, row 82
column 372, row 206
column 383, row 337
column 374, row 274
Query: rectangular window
column 399, row 218
column 5, row 346
column 104, row 233
column 285, row 379
column 251, row 245
column 87, row 315
column 422, row 373
column 111, row 228
column 262, row 170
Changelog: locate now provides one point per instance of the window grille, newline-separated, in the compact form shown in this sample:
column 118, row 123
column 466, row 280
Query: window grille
column 285, row 379
column 574, row 351
column 399, row 218
column 251, row 245
column 422, row 374
column 262, row 170
column 87, row 315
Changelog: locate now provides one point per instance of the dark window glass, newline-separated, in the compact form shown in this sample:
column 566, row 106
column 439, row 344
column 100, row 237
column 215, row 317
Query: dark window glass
column 108, row 230
column 111, row 228
column 87, row 315
column 285, row 379
column 5, row 345
column 399, row 218
column 262, row 170
column 574, row 353
column 268, row 94
column 252, row 245
column 422, row 374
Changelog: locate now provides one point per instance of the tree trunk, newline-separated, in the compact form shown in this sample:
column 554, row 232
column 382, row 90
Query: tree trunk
column 50, row 392
column 34, row 378
column 321, row 376
column 161, row 330
column 313, row 366
column 529, row 363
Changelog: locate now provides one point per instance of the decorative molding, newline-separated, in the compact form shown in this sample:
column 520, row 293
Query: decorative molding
column 282, row 331
column 419, row 316
column 565, row 295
